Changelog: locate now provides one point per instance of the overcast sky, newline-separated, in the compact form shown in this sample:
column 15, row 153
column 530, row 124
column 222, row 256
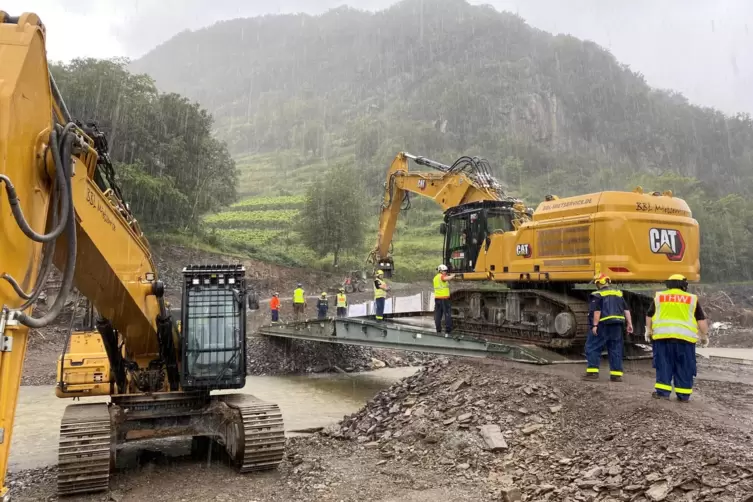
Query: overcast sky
column 699, row 47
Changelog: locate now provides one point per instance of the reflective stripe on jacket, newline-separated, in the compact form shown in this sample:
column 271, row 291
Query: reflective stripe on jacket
column 675, row 316
column 378, row 291
column 612, row 305
column 341, row 300
column 441, row 288
column 299, row 296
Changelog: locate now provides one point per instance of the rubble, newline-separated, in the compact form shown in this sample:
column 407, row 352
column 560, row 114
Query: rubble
column 570, row 444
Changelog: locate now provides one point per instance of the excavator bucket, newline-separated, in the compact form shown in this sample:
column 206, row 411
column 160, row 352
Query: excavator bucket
column 387, row 265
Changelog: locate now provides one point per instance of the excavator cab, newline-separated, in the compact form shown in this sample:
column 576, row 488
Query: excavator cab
column 213, row 327
column 467, row 229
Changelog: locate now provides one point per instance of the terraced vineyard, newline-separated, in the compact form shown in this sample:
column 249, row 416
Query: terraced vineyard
column 263, row 222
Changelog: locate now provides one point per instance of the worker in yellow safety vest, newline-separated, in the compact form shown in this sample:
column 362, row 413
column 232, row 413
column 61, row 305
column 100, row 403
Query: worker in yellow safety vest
column 299, row 302
column 675, row 322
column 380, row 294
column 442, row 306
column 342, row 303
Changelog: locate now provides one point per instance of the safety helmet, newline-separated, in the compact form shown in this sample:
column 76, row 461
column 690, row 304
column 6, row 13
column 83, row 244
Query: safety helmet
column 442, row 268
column 677, row 281
column 342, row 290
column 324, row 294
column 276, row 293
column 380, row 273
column 300, row 285
column 602, row 279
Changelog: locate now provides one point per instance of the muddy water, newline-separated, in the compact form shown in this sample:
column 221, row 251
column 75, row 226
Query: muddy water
column 306, row 401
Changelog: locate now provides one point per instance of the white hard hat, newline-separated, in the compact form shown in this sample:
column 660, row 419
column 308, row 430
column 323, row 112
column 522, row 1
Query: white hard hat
column 442, row 268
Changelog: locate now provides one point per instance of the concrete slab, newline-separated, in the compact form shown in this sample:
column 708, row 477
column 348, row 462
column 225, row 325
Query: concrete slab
column 739, row 356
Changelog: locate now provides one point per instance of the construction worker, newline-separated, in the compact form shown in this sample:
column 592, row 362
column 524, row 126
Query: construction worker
column 442, row 299
column 380, row 294
column 322, row 306
column 274, row 306
column 675, row 322
column 607, row 315
column 299, row 302
column 342, row 303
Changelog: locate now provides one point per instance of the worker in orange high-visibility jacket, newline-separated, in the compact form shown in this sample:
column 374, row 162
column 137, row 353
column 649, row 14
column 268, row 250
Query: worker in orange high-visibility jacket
column 342, row 303
column 442, row 306
column 608, row 314
column 675, row 322
column 274, row 306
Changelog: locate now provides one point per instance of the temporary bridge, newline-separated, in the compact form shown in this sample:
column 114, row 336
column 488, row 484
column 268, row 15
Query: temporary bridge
column 415, row 331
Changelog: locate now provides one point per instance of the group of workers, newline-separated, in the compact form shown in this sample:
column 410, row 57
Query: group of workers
column 675, row 322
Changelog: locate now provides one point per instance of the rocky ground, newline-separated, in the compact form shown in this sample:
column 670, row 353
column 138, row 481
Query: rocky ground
column 481, row 430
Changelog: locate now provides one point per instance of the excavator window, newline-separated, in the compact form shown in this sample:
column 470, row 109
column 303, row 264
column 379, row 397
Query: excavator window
column 467, row 230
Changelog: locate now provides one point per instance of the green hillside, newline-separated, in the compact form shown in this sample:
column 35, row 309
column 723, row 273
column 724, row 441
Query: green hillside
column 294, row 94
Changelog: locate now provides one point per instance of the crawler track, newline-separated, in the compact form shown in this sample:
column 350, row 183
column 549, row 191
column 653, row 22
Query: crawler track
column 260, row 445
column 86, row 449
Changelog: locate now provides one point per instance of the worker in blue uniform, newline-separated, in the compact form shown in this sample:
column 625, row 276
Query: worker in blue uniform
column 675, row 322
column 608, row 314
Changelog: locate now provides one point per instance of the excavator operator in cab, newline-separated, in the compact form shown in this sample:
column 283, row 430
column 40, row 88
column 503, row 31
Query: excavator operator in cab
column 607, row 314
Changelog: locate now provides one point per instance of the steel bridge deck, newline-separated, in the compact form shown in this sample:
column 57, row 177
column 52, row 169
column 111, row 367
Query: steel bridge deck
column 415, row 331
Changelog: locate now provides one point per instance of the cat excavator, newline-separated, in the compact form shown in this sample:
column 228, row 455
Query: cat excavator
column 541, row 259
column 61, row 206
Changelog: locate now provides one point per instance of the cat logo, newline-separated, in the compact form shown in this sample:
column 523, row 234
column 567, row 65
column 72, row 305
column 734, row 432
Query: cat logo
column 421, row 184
column 667, row 241
column 524, row 250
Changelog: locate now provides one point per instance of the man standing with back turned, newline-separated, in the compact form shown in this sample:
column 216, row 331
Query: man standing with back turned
column 442, row 307
column 299, row 302
column 675, row 320
column 608, row 314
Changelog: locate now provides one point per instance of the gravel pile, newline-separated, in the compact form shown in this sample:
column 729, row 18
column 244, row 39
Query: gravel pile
column 533, row 437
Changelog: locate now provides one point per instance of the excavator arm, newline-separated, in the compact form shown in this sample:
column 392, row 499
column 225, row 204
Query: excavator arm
column 60, row 206
column 467, row 180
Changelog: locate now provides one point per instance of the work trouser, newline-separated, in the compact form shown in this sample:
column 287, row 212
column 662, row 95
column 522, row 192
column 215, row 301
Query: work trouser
column 609, row 335
column 442, row 309
column 275, row 315
column 342, row 311
column 322, row 313
column 379, row 306
column 674, row 360
column 298, row 310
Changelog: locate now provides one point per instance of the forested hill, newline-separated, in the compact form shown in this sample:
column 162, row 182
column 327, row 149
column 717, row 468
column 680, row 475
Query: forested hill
column 443, row 78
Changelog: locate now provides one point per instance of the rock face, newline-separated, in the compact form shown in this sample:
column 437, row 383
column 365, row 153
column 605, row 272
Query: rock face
column 534, row 437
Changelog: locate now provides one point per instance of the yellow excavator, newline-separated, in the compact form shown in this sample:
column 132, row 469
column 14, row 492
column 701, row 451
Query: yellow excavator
column 543, row 257
column 60, row 206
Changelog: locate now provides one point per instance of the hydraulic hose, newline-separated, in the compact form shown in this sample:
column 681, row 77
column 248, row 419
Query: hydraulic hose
column 60, row 175
column 70, row 231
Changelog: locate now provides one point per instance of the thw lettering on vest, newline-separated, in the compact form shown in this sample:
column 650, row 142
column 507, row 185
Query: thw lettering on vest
column 676, row 299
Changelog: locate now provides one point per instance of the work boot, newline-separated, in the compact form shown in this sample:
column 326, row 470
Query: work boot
column 656, row 395
column 591, row 376
column 614, row 378
column 682, row 400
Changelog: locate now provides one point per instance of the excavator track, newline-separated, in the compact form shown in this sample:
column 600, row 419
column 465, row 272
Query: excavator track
column 540, row 331
column 260, row 443
column 86, row 449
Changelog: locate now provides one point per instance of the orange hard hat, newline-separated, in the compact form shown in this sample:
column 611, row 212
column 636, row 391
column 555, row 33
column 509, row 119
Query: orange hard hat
column 602, row 279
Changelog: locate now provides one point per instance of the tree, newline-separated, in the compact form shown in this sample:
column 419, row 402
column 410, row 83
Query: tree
column 333, row 219
column 171, row 168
